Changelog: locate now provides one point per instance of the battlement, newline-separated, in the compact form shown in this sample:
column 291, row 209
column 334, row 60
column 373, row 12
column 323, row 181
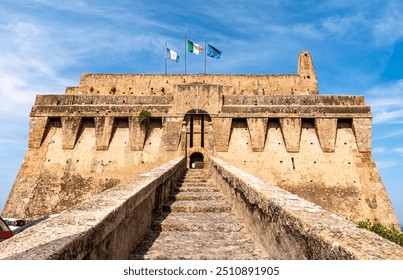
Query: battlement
column 304, row 82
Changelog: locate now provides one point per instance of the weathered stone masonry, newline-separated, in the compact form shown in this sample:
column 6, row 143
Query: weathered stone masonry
column 276, row 127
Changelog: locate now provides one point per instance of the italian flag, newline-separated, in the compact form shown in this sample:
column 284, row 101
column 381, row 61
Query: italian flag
column 194, row 48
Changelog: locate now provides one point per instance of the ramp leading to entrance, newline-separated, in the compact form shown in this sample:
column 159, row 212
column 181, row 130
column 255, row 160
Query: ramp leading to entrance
column 197, row 223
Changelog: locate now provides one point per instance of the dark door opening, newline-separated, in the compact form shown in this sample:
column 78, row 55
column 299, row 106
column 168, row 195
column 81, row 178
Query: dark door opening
column 196, row 161
column 197, row 133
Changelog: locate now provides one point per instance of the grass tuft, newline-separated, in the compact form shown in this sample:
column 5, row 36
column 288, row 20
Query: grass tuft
column 391, row 233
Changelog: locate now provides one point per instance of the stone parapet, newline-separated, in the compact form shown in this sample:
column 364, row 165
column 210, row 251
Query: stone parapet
column 107, row 226
column 304, row 82
column 290, row 227
column 306, row 100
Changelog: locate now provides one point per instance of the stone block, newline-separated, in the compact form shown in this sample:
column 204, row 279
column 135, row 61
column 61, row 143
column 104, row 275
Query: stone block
column 291, row 129
column 326, row 129
column 103, row 132
column 70, row 129
column 137, row 134
column 257, row 131
column 362, row 128
column 37, row 128
column 172, row 133
column 222, row 132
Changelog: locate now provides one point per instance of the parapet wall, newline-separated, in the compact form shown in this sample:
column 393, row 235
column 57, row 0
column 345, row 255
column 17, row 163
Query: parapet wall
column 304, row 82
column 112, row 223
column 107, row 226
column 290, row 227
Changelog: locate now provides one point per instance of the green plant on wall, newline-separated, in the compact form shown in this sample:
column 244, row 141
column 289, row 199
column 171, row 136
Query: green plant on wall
column 391, row 233
column 144, row 117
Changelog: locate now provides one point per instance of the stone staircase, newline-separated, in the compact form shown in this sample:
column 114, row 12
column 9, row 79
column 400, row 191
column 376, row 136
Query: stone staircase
column 197, row 224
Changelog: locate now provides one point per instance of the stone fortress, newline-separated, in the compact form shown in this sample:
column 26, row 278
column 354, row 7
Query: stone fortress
column 276, row 127
column 112, row 128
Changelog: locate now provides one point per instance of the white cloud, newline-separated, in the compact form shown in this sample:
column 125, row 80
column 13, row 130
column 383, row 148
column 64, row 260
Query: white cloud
column 399, row 151
column 392, row 116
column 393, row 134
column 386, row 102
column 343, row 26
column 384, row 164
column 389, row 28
column 378, row 150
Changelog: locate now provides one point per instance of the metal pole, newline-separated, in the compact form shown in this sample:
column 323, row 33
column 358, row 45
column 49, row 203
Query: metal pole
column 166, row 60
column 205, row 57
column 197, row 98
column 185, row 52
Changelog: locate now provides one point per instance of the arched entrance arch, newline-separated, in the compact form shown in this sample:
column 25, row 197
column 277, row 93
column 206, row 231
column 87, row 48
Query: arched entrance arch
column 196, row 161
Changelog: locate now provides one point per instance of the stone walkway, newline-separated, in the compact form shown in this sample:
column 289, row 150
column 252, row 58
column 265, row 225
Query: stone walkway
column 197, row 224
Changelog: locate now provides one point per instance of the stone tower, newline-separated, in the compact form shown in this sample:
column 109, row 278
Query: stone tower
column 113, row 127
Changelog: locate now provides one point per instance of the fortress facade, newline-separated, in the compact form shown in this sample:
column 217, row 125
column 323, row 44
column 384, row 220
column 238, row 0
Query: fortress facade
column 111, row 128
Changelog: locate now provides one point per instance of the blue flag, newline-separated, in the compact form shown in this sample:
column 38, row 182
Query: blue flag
column 213, row 52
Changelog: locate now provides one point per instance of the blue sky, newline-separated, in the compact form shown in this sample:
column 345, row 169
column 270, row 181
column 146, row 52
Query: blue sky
column 356, row 46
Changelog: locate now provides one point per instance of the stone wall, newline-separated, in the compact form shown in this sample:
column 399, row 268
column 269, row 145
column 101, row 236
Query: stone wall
column 290, row 227
column 107, row 226
column 71, row 157
column 304, row 82
column 324, row 160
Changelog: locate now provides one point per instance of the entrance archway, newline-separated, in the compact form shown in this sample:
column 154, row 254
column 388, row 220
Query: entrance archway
column 196, row 161
column 197, row 122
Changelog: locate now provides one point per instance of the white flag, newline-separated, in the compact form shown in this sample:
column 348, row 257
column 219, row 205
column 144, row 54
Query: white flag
column 172, row 55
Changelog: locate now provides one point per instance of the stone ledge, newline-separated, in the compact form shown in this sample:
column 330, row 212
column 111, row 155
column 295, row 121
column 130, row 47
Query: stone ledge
column 92, row 228
column 294, row 228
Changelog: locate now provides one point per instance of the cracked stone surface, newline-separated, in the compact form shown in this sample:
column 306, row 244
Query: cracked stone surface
column 197, row 224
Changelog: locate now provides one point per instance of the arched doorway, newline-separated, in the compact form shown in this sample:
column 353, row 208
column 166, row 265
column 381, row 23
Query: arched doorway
column 196, row 161
column 197, row 138
column 197, row 128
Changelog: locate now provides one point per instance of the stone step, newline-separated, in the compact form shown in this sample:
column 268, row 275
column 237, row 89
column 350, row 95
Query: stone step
column 194, row 183
column 197, row 206
column 197, row 171
column 196, row 176
column 197, row 196
column 179, row 245
column 207, row 188
column 196, row 222
column 194, row 180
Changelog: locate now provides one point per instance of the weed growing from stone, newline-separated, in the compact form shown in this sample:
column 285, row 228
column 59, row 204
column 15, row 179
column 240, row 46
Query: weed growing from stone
column 392, row 233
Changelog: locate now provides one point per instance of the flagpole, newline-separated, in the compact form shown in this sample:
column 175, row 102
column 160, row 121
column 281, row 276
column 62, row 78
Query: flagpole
column 185, row 52
column 205, row 56
column 166, row 60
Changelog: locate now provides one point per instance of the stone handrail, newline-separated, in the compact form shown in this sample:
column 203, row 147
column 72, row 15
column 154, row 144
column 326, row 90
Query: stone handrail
column 107, row 226
column 290, row 227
